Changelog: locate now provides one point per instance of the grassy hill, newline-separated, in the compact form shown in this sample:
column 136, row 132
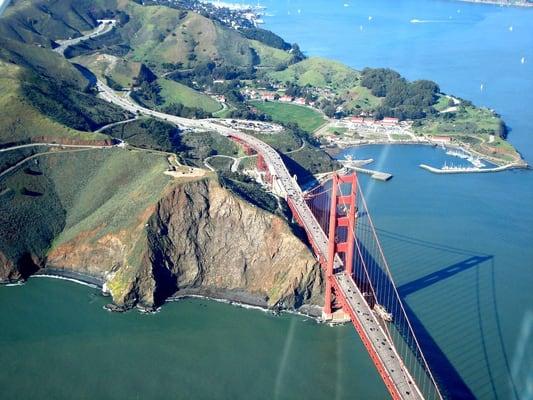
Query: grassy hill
column 38, row 21
column 318, row 72
column 21, row 121
column 161, row 35
column 43, row 62
column 64, row 194
column 105, row 66
column 174, row 92
column 270, row 57
column 306, row 118
column 45, row 96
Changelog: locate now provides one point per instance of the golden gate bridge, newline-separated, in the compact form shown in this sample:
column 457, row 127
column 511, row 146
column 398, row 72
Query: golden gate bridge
column 358, row 279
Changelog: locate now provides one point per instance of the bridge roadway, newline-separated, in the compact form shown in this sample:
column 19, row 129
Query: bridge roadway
column 381, row 349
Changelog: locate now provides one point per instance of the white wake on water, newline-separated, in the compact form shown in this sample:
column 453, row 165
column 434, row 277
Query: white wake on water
column 428, row 21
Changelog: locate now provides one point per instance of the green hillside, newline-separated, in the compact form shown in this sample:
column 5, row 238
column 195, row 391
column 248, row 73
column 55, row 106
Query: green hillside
column 42, row 61
column 44, row 96
column 174, row 92
column 21, row 121
column 318, row 72
column 160, row 35
column 102, row 191
column 38, row 21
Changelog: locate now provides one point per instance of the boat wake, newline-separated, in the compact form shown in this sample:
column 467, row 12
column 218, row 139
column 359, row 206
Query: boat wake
column 428, row 21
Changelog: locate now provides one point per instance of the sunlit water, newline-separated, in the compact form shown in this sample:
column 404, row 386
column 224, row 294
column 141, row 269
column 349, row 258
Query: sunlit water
column 460, row 248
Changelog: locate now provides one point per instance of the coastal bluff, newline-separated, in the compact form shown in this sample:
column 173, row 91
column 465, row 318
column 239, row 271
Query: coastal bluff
column 194, row 238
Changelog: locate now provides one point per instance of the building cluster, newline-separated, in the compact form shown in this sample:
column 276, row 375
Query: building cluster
column 266, row 95
column 368, row 122
column 251, row 126
column 237, row 16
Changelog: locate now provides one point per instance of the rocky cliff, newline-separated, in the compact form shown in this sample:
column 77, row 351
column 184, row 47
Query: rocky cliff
column 199, row 239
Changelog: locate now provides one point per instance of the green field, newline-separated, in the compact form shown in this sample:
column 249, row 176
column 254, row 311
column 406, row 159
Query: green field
column 318, row 72
column 174, row 92
column 307, row 119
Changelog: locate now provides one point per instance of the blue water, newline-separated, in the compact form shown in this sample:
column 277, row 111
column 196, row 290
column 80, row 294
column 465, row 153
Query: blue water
column 461, row 246
column 460, row 51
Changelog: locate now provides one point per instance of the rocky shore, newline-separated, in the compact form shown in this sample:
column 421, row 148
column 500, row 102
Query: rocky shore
column 196, row 239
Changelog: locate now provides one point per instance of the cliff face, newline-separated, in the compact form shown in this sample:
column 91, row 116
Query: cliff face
column 199, row 239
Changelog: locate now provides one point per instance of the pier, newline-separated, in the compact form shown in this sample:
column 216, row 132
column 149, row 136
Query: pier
column 378, row 175
column 471, row 170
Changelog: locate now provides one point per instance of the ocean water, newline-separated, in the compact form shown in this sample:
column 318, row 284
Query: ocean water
column 57, row 342
column 460, row 247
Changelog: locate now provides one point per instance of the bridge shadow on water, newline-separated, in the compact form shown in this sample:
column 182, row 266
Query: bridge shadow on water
column 451, row 383
column 453, row 310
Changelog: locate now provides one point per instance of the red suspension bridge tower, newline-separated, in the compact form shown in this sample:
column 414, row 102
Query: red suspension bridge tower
column 341, row 235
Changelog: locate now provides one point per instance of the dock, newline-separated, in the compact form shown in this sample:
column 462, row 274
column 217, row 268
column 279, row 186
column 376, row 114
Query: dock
column 378, row 175
column 471, row 170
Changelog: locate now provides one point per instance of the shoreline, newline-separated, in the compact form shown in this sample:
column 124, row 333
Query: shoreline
column 237, row 299
column 522, row 164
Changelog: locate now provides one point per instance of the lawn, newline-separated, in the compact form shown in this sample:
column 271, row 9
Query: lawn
column 174, row 92
column 307, row 119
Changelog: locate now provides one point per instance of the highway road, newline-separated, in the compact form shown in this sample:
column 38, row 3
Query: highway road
column 105, row 26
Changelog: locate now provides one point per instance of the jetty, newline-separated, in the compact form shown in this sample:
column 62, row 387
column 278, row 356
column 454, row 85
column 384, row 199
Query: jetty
column 469, row 170
column 378, row 175
column 357, row 165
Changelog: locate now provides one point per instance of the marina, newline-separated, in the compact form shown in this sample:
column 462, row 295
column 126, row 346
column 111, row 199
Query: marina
column 476, row 162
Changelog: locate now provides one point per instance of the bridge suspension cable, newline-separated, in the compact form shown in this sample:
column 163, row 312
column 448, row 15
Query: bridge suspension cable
column 372, row 274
